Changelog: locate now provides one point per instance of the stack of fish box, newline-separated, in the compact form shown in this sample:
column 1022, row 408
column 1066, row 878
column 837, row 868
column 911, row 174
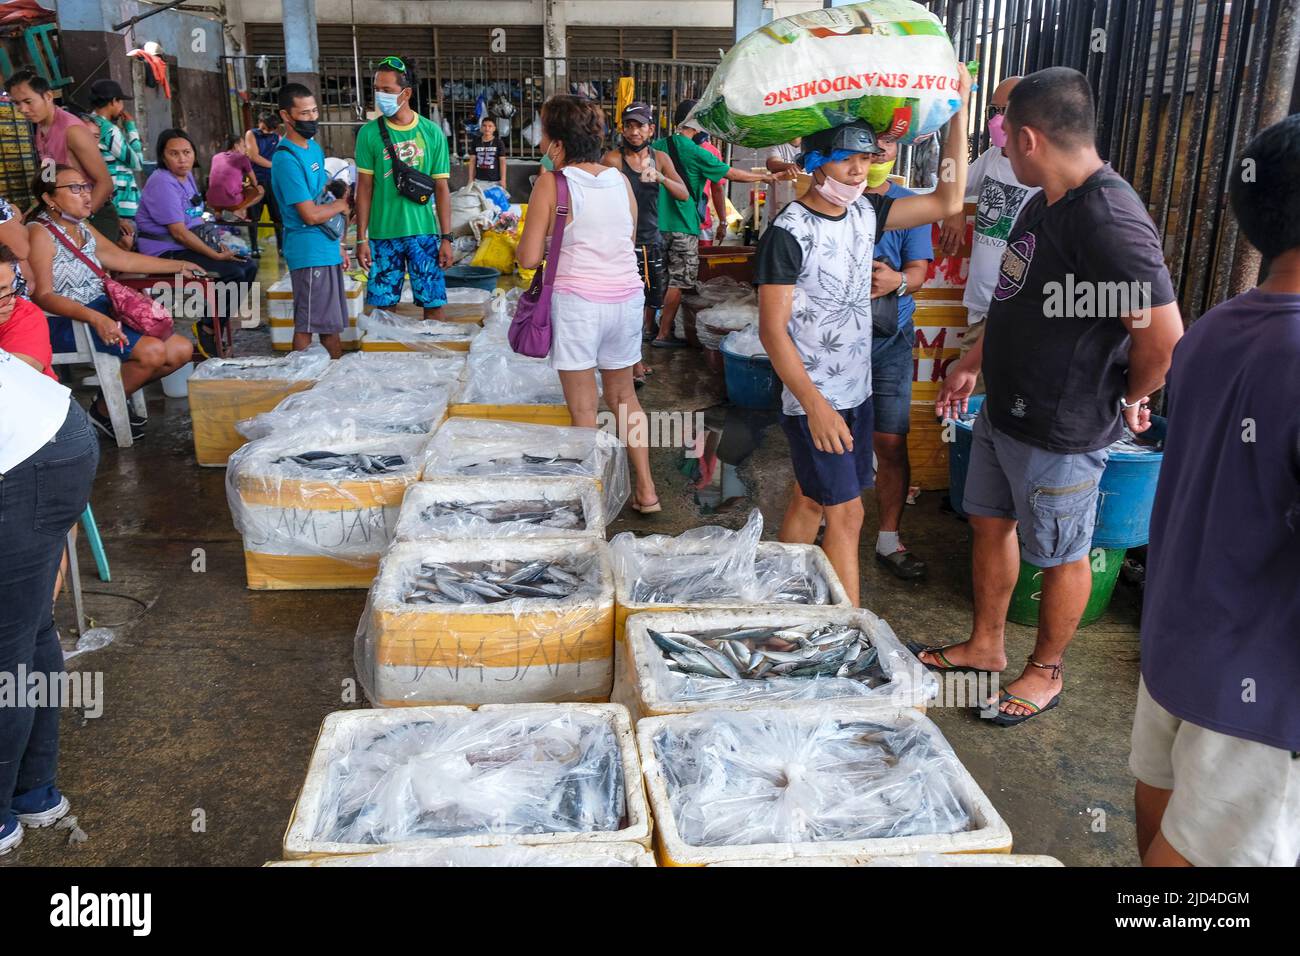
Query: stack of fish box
column 317, row 509
column 387, row 332
column 485, row 508
column 466, row 305
column 466, row 448
column 224, row 392
column 830, row 779
column 432, row 778
column 510, row 387
column 279, row 306
column 585, row 855
column 489, row 620
column 688, row 661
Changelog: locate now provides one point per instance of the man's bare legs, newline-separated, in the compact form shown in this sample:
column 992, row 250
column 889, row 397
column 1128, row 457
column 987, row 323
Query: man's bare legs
column 841, row 541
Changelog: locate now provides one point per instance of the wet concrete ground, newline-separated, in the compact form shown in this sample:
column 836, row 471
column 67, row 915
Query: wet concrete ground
column 213, row 694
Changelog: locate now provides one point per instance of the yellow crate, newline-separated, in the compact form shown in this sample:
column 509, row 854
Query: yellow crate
column 305, row 572
column 381, row 345
column 527, row 414
column 216, row 405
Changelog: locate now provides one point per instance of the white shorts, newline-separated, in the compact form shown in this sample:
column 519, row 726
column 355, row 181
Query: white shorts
column 1235, row 802
column 604, row 335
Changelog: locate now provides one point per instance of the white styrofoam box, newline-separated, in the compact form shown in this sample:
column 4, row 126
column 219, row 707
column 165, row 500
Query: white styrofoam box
column 989, row 833
column 911, row 860
column 279, row 298
column 513, row 651
column 558, row 855
column 584, row 494
column 649, row 689
column 341, row 730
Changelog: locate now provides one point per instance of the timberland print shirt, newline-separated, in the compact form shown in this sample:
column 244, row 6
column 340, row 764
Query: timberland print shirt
column 828, row 261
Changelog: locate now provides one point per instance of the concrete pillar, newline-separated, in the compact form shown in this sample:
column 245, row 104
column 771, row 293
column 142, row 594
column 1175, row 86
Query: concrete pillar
column 555, row 46
column 301, row 49
column 750, row 15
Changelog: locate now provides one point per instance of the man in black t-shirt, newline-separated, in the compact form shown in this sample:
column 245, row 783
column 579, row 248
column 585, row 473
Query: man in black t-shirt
column 1080, row 332
column 488, row 155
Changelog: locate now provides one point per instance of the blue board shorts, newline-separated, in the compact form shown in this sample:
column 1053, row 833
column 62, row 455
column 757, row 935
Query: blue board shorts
column 825, row 477
column 1052, row 495
column 392, row 259
column 891, row 380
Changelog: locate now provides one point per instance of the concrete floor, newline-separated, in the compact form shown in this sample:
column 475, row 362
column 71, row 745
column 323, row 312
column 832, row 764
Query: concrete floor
column 213, row 694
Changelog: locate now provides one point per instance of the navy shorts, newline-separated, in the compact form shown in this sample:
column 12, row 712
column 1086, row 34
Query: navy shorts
column 391, row 260
column 1051, row 495
column 891, row 380
column 825, row 477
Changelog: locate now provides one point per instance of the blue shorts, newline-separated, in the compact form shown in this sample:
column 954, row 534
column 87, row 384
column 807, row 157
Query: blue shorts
column 62, row 339
column 392, row 259
column 891, row 380
column 1052, row 495
column 825, row 477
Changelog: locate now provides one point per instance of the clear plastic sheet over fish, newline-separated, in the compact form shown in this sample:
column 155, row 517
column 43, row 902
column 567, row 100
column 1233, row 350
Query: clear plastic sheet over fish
column 366, row 406
column 416, row 334
column 619, row 855
column 478, row 448
column 404, row 369
column 710, row 565
column 321, row 492
column 807, row 776
column 310, row 363
column 530, row 771
column 502, row 508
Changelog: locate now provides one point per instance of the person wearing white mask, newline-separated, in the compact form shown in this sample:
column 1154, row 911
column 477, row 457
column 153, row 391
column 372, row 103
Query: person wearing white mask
column 813, row 269
column 398, row 230
column 992, row 183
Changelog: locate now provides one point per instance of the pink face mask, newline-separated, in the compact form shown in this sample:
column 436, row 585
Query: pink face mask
column 997, row 134
column 838, row 193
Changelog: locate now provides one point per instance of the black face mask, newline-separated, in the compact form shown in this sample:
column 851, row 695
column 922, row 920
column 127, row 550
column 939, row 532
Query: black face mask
column 637, row 149
column 700, row 138
column 305, row 128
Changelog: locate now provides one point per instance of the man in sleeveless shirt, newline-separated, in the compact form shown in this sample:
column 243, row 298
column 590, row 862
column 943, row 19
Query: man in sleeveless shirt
column 61, row 138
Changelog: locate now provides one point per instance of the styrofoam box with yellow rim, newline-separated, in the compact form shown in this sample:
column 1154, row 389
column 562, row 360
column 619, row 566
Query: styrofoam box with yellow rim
column 913, row 860
column 513, row 651
column 466, row 305
column 465, row 448
column 224, row 392
column 648, row 689
column 382, row 331
column 558, row 855
column 625, row 606
column 989, row 833
column 414, row 525
column 279, row 309
column 501, row 384
column 340, row 730
column 307, row 529
column 393, row 369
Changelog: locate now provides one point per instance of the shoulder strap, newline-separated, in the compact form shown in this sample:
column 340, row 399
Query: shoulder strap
column 677, row 161
column 90, row 263
column 881, row 209
column 397, row 163
column 1105, row 182
column 557, row 234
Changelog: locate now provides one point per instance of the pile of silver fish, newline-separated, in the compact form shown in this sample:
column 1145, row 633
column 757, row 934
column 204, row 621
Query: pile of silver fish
column 477, row 774
column 769, row 653
column 565, row 515
column 491, row 582
column 773, row 581
column 751, row 777
column 358, row 462
column 541, row 466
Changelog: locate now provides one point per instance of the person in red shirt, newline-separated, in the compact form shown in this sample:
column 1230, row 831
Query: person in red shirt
column 24, row 333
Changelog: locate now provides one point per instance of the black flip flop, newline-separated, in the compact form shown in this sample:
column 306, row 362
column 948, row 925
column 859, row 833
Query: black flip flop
column 947, row 665
column 1008, row 720
column 669, row 343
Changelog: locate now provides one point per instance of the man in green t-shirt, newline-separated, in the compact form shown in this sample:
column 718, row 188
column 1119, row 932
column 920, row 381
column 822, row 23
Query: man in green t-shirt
column 680, row 220
column 396, row 235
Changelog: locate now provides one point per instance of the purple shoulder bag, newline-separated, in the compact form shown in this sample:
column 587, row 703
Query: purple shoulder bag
column 530, row 329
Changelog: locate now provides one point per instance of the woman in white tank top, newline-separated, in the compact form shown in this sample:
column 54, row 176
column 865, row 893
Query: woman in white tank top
column 598, row 297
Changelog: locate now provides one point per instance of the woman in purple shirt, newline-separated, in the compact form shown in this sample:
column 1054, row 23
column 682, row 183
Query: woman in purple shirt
column 171, row 208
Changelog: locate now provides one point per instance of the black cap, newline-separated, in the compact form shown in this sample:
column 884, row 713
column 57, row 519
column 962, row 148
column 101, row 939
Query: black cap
column 640, row 112
column 107, row 90
column 857, row 136
column 683, row 110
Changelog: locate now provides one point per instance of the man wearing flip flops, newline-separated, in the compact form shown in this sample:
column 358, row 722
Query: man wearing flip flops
column 1067, row 361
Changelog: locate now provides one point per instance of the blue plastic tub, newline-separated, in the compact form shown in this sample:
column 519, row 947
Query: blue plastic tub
column 751, row 380
column 472, row 277
column 1128, row 486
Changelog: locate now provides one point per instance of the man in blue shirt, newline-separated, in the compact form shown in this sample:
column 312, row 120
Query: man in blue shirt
column 902, row 259
column 313, row 236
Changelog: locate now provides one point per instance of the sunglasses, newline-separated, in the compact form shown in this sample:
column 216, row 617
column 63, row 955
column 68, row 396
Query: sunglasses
column 77, row 188
column 993, row 111
column 6, row 296
column 396, row 62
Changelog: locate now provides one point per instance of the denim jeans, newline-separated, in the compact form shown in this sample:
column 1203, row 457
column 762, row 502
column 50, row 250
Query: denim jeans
column 40, row 500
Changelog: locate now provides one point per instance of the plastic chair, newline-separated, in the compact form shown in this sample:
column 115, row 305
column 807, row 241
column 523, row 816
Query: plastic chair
column 108, row 370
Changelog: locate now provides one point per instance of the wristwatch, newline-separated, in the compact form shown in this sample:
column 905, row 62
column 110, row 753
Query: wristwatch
column 1125, row 406
column 445, row 237
column 902, row 286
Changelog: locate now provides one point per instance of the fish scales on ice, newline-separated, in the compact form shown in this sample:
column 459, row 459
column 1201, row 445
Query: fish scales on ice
column 768, row 653
column 565, row 516
column 492, row 582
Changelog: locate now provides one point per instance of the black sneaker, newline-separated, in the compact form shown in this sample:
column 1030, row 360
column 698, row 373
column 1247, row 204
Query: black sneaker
column 138, row 422
column 105, row 425
column 207, row 342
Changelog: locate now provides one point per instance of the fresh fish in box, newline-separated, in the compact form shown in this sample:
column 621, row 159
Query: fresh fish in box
column 488, row 583
column 768, row 653
column 564, row 515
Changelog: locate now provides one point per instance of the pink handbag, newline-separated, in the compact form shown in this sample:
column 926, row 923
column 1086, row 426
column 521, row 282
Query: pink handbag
column 530, row 329
column 147, row 316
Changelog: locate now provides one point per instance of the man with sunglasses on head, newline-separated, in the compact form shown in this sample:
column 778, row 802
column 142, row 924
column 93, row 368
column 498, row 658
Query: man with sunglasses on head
column 396, row 234
column 992, row 183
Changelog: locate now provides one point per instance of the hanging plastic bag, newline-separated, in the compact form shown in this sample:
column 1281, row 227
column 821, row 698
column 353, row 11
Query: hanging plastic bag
column 496, row 251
